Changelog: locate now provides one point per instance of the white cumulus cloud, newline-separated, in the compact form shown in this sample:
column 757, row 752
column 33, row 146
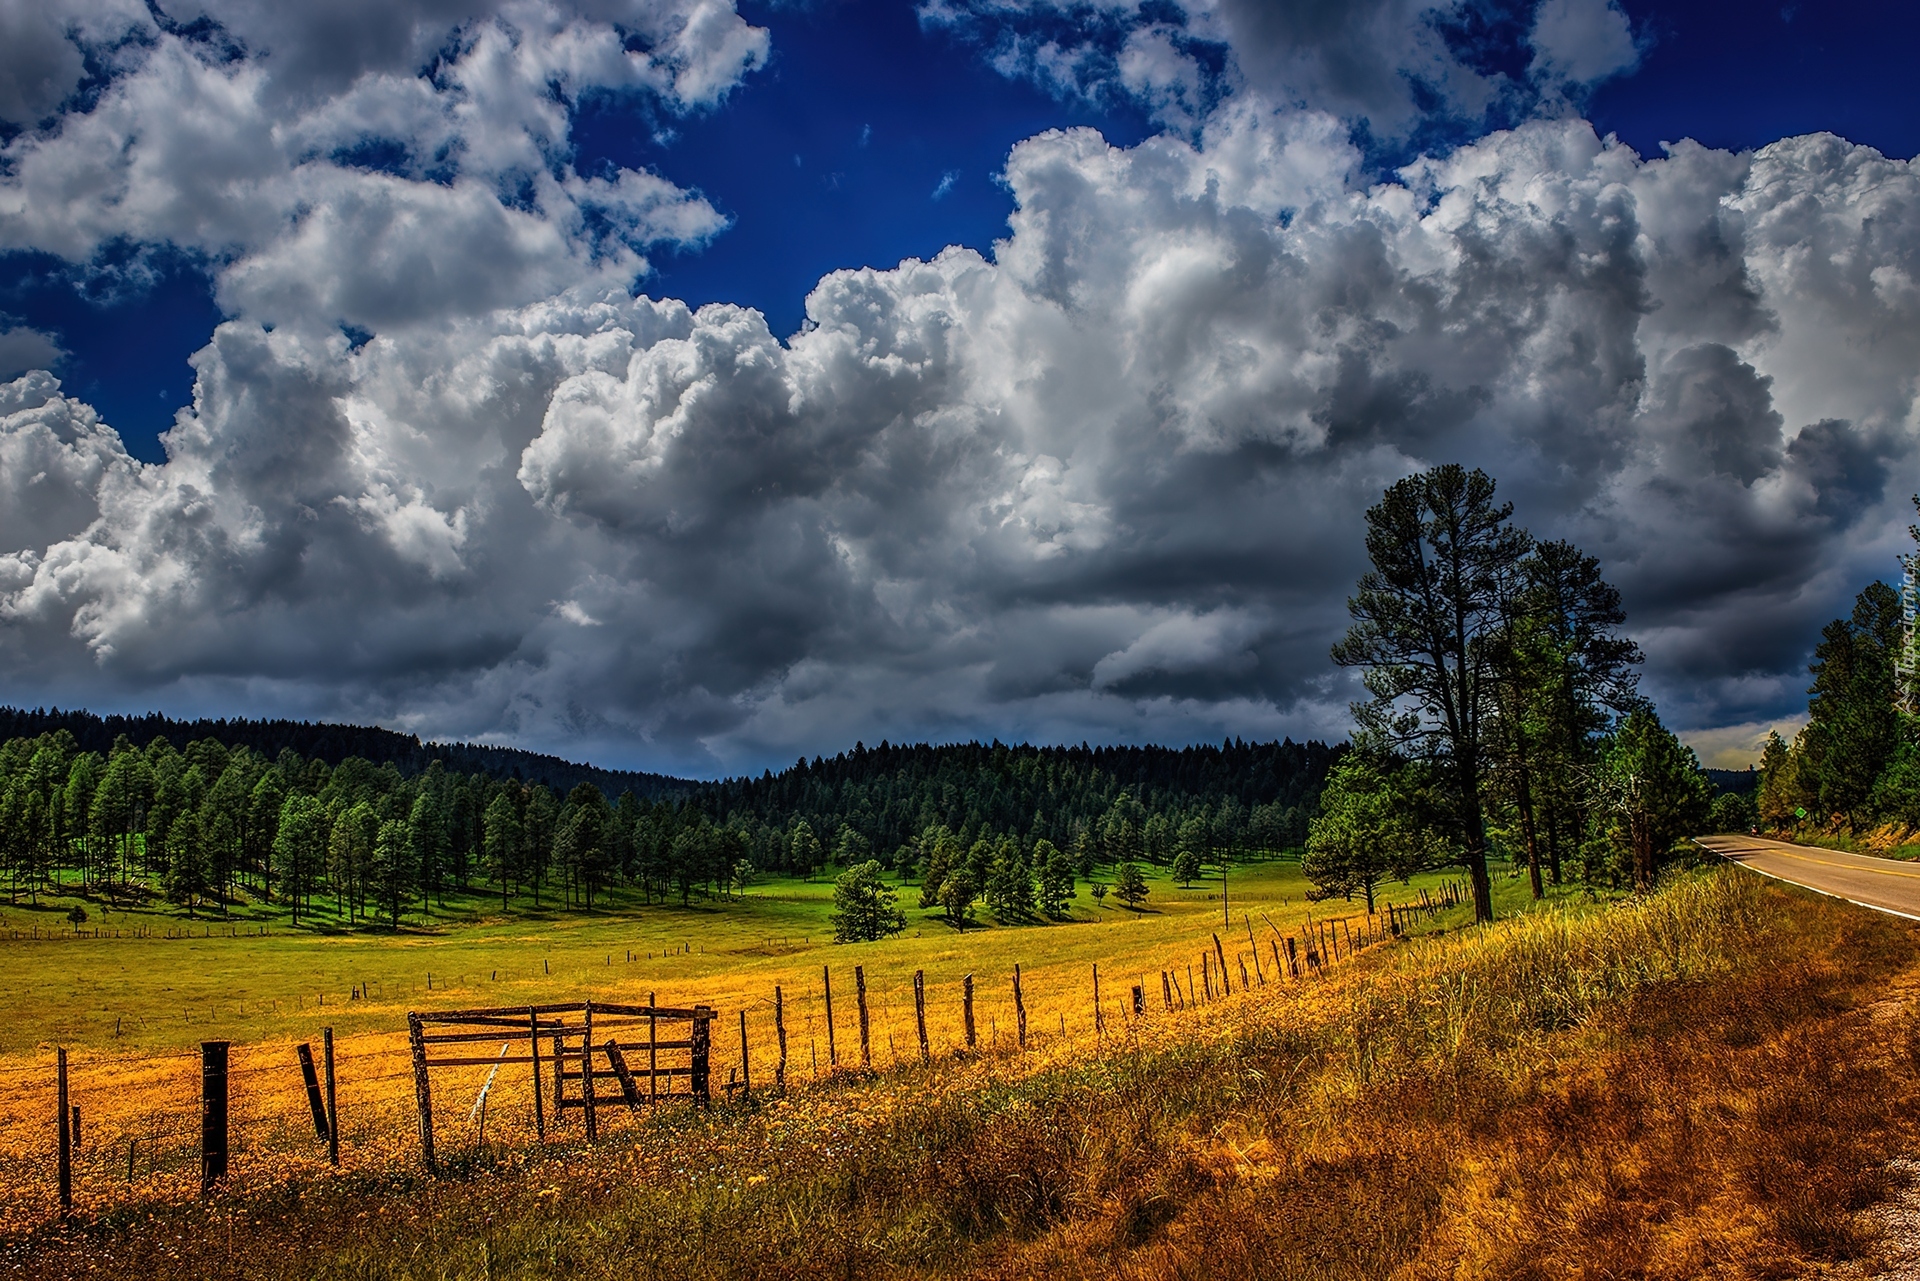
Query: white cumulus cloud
column 1106, row 480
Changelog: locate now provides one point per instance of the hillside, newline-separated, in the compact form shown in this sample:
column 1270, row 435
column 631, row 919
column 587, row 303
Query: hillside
column 333, row 743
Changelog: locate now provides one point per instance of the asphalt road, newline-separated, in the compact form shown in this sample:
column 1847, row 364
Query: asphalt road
column 1883, row 883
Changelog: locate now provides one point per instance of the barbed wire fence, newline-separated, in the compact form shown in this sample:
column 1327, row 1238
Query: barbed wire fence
column 135, row 1129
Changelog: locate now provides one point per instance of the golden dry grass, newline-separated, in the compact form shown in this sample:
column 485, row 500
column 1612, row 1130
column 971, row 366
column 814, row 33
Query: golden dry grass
column 1706, row 1082
column 132, row 1010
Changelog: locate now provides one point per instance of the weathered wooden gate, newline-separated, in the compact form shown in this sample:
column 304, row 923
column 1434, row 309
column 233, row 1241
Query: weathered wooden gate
column 590, row 1054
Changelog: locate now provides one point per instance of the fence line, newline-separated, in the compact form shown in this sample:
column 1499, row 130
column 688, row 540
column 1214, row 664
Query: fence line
column 130, row 1128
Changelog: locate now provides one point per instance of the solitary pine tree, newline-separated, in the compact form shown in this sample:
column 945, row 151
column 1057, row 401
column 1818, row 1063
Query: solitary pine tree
column 1130, row 885
column 1186, row 866
column 863, row 905
column 1446, row 561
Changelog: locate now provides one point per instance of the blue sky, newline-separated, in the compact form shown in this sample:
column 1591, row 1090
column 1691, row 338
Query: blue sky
column 468, row 457
column 832, row 155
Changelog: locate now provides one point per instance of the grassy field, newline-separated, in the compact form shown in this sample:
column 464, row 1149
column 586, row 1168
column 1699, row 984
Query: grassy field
column 130, row 997
column 180, row 982
column 1705, row 1082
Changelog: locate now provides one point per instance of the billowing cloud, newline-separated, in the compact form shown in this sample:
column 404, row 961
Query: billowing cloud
column 1104, row 481
column 367, row 163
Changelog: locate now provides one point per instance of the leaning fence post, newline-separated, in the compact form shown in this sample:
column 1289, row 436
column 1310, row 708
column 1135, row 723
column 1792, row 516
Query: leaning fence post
column 702, row 1041
column 1099, row 1019
column 1166, row 991
column 966, row 1006
column 826, row 985
column 311, row 1079
column 1255, row 945
column 422, row 1091
column 1139, row 1001
column 1019, row 1008
column 629, row 1090
column 1226, row 988
column 213, row 1114
column 66, row 1134
column 860, row 999
column 920, row 1011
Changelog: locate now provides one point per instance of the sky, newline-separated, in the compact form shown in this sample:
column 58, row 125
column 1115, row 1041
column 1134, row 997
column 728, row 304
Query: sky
column 694, row 385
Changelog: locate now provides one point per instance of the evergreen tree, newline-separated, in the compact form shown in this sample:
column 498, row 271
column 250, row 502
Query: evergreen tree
column 1010, row 884
column 1056, row 878
column 503, row 842
column 1445, row 563
column 1130, row 885
column 1654, row 794
column 1186, row 867
column 1376, row 822
column 300, row 847
column 863, row 905
column 1853, row 727
column 186, row 878
column 957, row 893
column 392, row 871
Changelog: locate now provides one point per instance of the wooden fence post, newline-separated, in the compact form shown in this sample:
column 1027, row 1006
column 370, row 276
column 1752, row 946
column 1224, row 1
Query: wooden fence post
column 860, row 1000
column 1206, row 973
column 539, row 1086
column 1019, row 1008
column 746, row 1073
column 826, row 985
column 310, row 1077
column 586, row 1072
column 1192, row 994
column 1243, row 968
column 1099, row 1018
column 423, row 1092
column 966, row 1006
column 1139, row 1001
column 333, row 1110
column 213, row 1114
column 920, row 1012
column 559, row 1076
column 1226, row 988
column 653, row 1048
column 1166, row 991
column 780, row 1031
column 629, row 1088
column 66, row 1134
column 702, row 1042
column 1255, row 945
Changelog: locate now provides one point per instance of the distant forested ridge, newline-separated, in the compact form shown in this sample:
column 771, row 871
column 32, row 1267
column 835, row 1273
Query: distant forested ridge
column 1262, row 794
column 333, row 743
column 348, row 824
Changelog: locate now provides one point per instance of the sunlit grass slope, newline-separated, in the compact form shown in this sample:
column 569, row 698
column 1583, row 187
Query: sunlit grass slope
column 1704, row 1082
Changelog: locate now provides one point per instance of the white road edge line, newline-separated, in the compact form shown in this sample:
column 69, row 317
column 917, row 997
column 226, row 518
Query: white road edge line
column 1873, row 907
